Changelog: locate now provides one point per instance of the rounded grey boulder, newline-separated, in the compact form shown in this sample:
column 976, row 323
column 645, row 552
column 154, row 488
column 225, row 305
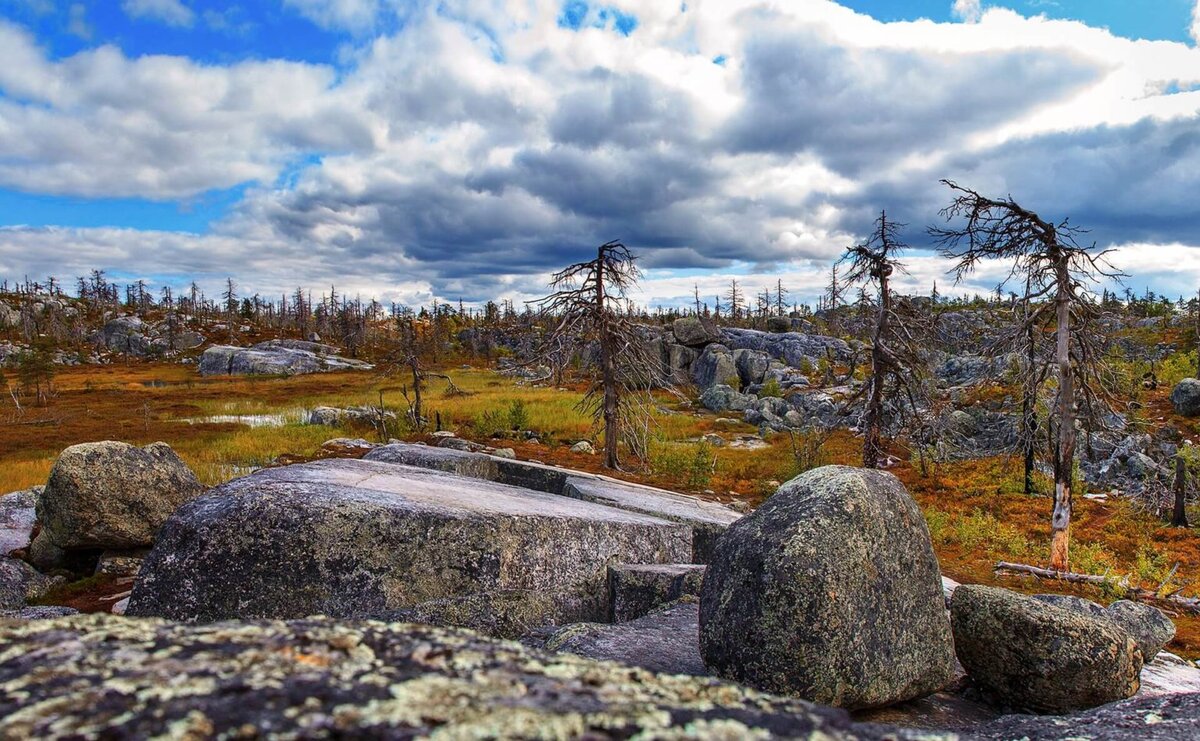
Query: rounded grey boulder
column 1147, row 625
column 690, row 331
column 1030, row 654
column 1185, row 397
column 829, row 591
column 112, row 495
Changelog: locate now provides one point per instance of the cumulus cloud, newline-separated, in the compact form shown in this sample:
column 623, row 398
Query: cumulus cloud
column 1195, row 29
column 102, row 124
column 352, row 15
column 170, row 12
column 483, row 144
column 967, row 10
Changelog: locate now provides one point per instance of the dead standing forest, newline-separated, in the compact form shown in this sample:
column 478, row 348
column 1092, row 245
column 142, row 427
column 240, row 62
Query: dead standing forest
column 1045, row 429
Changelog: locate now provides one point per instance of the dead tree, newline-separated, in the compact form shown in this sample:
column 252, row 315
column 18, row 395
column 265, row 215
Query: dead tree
column 588, row 311
column 1179, row 512
column 1048, row 258
column 897, row 365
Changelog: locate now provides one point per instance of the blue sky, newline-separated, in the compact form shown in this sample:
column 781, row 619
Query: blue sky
column 411, row 143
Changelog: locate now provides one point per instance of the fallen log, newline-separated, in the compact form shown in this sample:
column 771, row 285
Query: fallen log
column 1190, row 605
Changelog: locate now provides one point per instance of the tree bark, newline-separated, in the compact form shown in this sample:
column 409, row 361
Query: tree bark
column 1064, row 464
column 1179, row 515
column 608, row 373
column 872, row 437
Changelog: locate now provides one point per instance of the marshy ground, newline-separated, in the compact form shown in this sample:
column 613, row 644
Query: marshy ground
column 224, row 427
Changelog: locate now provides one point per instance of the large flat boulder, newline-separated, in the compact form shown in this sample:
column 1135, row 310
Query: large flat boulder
column 706, row 519
column 110, row 495
column 275, row 358
column 96, row 676
column 829, row 591
column 352, row 538
column 1029, row 654
column 1147, row 625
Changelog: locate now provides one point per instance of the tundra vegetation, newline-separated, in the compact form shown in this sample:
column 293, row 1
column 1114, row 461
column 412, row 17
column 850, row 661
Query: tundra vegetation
column 1023, row 422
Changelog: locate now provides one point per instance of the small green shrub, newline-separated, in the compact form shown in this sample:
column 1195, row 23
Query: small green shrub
column 733, row 382
column 690, row 464
column 771, row 388
column 518, row 415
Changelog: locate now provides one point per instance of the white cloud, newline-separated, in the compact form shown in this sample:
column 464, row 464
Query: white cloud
column 77, row 22
column 353, row 15
column 1195, row 29
column 170, row 12
column 969, row 11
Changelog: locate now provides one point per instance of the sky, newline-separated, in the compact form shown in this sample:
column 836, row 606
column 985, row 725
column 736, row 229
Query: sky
column 414, row 150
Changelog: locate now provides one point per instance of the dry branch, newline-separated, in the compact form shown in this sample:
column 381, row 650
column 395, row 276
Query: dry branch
column 1129, row 591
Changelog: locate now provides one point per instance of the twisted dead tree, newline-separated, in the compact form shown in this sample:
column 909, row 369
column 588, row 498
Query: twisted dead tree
column 898, row 367
column 1055, row 269
column 588, row 311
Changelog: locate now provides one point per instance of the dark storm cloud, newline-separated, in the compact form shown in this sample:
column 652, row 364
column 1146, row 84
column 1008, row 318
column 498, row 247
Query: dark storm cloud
column 860, row 109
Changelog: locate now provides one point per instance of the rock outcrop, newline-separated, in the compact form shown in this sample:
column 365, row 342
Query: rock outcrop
column 275, row 358
column 110, row 495
column 354, row 538
column 829, row 591
column 694, row 332
column 106, row 677
column 1032, row 655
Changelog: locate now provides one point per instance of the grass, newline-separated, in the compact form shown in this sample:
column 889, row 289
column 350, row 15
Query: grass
column 975, row 510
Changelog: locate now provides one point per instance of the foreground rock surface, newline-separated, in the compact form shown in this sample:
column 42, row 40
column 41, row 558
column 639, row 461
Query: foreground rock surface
column 1029, row 654
column 829, row 591
column 102, row 676
column 112, row 495
column 354, row 538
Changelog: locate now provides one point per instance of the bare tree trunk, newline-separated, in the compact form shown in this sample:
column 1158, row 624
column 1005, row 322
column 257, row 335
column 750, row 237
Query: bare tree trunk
column 872, row 443
column 414, row 364
column 1029, row 412
column 1179, row 515
column 608, row 377
column 1064, row 466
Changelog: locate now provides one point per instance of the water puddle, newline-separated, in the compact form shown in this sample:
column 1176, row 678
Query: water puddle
column 272, row 419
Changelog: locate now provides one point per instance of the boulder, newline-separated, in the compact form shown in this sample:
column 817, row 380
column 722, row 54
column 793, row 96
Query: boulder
column 679, row 362
column 722, row 398
column 1164, row 718
column 39, row 612
column 662, row 641
column 635, row 590
column 715, row 365
column 1147, row 625
column 9, row 317
column 275, row 358
column 18, row 514
column 126, row 335
column 583, row 446
column 99, row 676
column 691, row 331
column 20, row 583
column 112, row 495
column 1029, row 654
column 1185, row 397
column 353, row 538
column 706, row 519
column 751, row 365
column 831, row 591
